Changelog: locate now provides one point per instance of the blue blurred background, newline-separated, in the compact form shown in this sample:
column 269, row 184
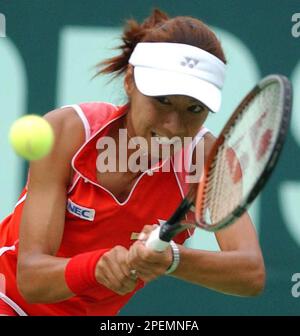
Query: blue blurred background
column 47, row 60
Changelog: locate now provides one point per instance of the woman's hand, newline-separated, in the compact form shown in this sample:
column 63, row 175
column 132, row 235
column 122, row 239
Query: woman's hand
column 148, row 264
column 113, row 272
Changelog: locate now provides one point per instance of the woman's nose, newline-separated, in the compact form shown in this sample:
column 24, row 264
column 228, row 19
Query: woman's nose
column 173, row 124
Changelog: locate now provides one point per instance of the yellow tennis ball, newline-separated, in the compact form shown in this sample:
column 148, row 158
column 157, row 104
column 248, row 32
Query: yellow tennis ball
column 31, row 137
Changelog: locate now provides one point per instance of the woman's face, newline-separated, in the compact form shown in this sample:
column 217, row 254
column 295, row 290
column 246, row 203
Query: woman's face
column 163, row 118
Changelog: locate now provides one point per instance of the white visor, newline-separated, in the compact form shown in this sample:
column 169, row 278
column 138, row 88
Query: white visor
column 178, row 69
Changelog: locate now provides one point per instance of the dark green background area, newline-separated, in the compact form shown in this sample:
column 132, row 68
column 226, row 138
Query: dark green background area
column 265, row 27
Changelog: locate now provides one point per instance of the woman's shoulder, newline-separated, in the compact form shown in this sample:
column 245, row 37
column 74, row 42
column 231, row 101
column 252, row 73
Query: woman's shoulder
column 93, row 115
column 74, row 124
column 82, row 115
column 68, row 128
column 64, row 119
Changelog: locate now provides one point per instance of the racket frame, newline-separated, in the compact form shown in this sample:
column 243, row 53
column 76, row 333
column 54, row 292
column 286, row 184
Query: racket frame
column 286, row 103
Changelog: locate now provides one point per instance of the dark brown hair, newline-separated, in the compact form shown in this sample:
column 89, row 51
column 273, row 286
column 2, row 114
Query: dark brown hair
column 158, row 27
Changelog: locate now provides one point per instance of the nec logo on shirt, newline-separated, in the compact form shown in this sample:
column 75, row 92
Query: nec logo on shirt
column 81, row 212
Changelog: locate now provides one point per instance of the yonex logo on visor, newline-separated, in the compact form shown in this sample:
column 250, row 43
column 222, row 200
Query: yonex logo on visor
column 190, row 62
column 164, row 68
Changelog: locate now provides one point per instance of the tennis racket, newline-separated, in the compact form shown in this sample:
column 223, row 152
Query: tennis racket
column 240, row 163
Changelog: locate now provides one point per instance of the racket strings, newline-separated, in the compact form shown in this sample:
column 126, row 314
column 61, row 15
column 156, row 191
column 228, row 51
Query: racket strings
column 219, row 191
column 240, row 160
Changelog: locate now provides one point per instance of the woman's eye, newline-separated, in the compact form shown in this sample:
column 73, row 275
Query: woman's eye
column 196, row 108
column 163, row 100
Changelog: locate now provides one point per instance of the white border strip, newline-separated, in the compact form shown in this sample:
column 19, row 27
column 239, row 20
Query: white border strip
column 7, row 248
column 21, row 200
column 12, row 304
column 75, row 181
column 83, row 118
column 87, row 129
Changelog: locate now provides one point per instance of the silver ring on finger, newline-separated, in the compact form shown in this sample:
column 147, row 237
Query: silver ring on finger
column 133, row 274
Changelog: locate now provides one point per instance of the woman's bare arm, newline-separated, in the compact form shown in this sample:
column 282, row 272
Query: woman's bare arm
column 40, row 275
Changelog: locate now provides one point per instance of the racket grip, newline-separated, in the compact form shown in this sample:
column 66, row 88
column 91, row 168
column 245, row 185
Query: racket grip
column 155, row 243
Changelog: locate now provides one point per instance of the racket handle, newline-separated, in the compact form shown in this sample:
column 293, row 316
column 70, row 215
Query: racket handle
column 155, row 243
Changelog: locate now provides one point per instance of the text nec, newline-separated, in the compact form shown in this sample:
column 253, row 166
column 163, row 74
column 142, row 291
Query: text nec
column 87, row 214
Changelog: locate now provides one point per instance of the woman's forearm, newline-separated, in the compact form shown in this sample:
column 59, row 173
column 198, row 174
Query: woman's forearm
column 41, row 279
column 233, row 272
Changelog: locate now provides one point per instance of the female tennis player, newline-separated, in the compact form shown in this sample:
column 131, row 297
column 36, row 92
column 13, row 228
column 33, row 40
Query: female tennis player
column 74, row 243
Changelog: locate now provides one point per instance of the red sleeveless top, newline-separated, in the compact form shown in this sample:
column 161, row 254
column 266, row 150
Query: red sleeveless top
column 94, row 219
